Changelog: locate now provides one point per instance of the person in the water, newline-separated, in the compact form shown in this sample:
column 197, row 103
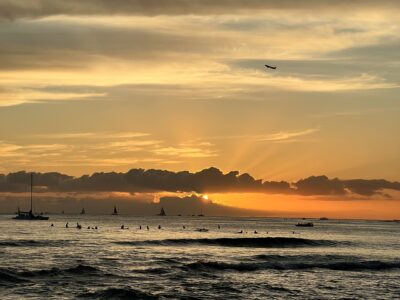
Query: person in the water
column 66, row 225
column 159, row 226
column 122, row 226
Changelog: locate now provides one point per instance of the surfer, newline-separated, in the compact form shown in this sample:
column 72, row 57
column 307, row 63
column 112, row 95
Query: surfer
column 66, row 225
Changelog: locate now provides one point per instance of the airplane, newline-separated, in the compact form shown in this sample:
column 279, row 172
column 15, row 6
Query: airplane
column 270, row 67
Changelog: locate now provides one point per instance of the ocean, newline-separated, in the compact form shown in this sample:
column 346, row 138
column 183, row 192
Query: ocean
column 335, row 259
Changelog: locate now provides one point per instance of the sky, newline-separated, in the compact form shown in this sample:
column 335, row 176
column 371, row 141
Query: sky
column 109, row 86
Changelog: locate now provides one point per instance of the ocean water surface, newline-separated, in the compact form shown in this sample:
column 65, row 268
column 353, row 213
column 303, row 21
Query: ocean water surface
column 336, row 259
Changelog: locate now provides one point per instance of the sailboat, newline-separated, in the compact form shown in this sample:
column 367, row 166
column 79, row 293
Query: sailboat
column 115, row 211
column 162, row 212
column 29, row 215
column 83, row 211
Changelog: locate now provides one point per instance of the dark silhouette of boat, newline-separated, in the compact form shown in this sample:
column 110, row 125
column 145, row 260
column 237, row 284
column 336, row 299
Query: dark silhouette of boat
column 323, row 218
column 29, row 215
column 162, row 212
column 115, row 212
column 83, row 211
column 201, row 214
column 306, row 224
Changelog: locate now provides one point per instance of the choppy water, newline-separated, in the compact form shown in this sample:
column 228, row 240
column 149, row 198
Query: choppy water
column 333, row 260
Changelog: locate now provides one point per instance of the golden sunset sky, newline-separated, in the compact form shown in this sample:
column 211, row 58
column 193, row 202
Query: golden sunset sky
column 96, row 85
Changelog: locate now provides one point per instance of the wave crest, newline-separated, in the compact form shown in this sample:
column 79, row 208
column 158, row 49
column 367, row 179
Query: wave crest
column 118, row 293
column 262, row 242
column 372, row 265
column 33, row 243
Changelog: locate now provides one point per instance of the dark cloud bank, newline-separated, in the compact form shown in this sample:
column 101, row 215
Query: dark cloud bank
column 13, row 9
column 210, row 180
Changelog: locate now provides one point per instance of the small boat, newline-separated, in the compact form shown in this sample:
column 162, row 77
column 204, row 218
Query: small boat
column 115, row 212
column 83, row 211
column 324, row 219
column 201, row 214
column 201, row 230
column 307, row 224
column 162, row 212
column 29, row 215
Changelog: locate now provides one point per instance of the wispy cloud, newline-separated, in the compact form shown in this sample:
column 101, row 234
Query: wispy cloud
column 15, row 96
column 92, row 135
column 285, row 135
column 187, row 152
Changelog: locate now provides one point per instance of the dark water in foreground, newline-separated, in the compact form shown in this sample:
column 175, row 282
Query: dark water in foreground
column 333, row 260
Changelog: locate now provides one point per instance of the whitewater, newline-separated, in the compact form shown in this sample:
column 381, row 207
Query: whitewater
column 270, row 259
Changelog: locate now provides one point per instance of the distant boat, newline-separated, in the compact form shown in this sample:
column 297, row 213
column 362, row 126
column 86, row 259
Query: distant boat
column 115, row 211
column 162, row 212
column 307, row 224
column 29, row 215
column 323, row 218
column 201, row 230
column 201, row 214
column 83, row 211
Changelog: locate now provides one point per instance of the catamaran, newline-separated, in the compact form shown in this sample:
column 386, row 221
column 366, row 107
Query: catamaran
column 29, row 215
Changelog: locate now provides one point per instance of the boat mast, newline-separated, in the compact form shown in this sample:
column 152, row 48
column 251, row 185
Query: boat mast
column 31, row 190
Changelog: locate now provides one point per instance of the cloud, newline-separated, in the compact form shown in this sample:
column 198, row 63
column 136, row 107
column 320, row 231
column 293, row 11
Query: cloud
column 370, row 187
column 283, row 136
column 320, row 185
column 15, row 96
column 12, row 9
column 102, row 149
column 185, row 151
column 210, row 180
column 92, row 135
